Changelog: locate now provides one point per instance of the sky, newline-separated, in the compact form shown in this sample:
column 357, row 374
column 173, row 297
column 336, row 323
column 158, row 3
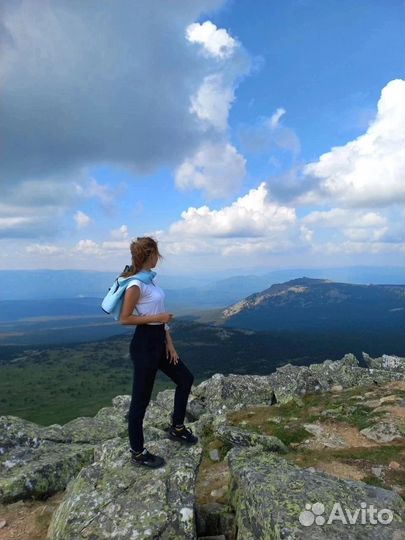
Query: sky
column 240, row 135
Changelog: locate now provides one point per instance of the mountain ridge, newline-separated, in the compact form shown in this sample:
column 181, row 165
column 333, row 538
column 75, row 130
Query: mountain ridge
column 333, row 430
column 320, row 301
column 45, row 283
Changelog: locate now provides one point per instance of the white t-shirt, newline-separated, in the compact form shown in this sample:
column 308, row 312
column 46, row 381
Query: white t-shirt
column 151, row 299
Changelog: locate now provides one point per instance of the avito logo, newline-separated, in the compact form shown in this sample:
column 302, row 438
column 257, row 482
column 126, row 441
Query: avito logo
column 313, row 513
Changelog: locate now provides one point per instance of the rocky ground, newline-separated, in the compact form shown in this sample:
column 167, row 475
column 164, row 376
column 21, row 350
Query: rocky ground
column 275, row 456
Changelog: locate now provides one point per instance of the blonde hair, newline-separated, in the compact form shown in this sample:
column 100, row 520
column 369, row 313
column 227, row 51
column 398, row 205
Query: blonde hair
column 141, row 249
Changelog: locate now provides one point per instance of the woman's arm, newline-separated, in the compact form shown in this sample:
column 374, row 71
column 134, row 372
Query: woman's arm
column 171, row 352
column 131, row 298
column 169, row 340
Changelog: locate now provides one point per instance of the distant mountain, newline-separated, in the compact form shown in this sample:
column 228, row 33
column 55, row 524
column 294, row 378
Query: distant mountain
column 182, row 292
column 315, row 304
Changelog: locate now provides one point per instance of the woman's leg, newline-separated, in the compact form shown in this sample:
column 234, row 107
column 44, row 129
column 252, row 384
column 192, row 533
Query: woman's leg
column 182, row 376
column 141, row 394
column 143, row 380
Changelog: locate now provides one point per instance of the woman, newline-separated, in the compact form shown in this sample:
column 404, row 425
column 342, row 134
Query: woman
column 151, row 349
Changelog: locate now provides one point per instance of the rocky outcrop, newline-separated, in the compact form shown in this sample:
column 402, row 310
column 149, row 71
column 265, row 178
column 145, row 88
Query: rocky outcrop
column 32, row 463
column 274, row 499
column 240, row 437
column 225, row 392
column 112, row 499
column 247, row 478
column 230, row 392
column 386, row 361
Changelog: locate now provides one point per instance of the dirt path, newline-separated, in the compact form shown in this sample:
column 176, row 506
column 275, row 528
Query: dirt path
column 27, row 519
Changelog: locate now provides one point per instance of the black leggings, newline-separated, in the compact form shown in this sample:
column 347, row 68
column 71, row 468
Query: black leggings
column 148, row 354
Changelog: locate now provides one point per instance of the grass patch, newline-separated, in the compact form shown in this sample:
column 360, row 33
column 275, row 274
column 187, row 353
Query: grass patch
column 293, row 414
column 361, row 458
column 290, row 435
column 376, row 454
column 210, row 441
column 358, row 416
column 374, row 481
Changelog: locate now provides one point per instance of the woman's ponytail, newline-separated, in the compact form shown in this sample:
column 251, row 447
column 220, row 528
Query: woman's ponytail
column 141, row 249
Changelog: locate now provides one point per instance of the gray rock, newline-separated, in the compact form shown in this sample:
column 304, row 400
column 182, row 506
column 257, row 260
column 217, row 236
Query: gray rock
column 122, row 402
column 387, row 362
column 36, row 471
column 35, row 461
column 88, row 429
column 378, row 471
column 242, row 437
column 195, row 408
column 111, row 498
column 232, row 392
column 107, row 497
column 289, row 381
column 214, row 454
column 322, row 435
column 383, row 432
column 269, row 496
column 221, row 392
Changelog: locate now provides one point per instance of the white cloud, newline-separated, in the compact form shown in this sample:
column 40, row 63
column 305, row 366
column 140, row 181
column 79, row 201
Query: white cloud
column 44, row 249
column 365, row 234
column 91, row 189
column 306, row 234
column 352, row 230
column 216, row 168
column 351, row 248
column 343, row 217
column 275, row 118
column 37, row 208
column 104, row 248
column 268, row 134
column 88, row 247
column 13, row 222
column 115, row 245
column 215, row 41
column 369, row 171
column 82, row 220
column 212, row 102
column 27, row 226
column 194, row 246
column 47, row 75
column 252, row 215
column 120, row 233
column 56, row 56
column 259, row 247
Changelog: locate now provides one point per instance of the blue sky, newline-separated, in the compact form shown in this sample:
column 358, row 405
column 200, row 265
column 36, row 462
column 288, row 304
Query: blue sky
column 246, row 135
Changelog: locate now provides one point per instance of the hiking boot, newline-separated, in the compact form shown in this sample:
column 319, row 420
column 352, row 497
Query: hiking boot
column 147, row 459
column 182, row 434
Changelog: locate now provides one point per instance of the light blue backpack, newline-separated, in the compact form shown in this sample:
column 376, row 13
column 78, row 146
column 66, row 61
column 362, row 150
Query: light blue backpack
column 112, row 303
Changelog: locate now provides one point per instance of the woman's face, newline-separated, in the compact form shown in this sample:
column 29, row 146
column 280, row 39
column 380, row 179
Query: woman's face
column 152, row 260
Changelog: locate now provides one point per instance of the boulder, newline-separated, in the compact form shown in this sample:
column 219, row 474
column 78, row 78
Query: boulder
column 38, row 471
column 236, row 436
column 231, row 392
column 273, row 498
column 35, row 461
column 386, row 361
column 384, row 431
column 290, row 382
column 112, row 498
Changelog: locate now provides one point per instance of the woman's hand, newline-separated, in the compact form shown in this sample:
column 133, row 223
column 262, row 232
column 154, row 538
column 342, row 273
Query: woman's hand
column 171, row 353
column 165, row 317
